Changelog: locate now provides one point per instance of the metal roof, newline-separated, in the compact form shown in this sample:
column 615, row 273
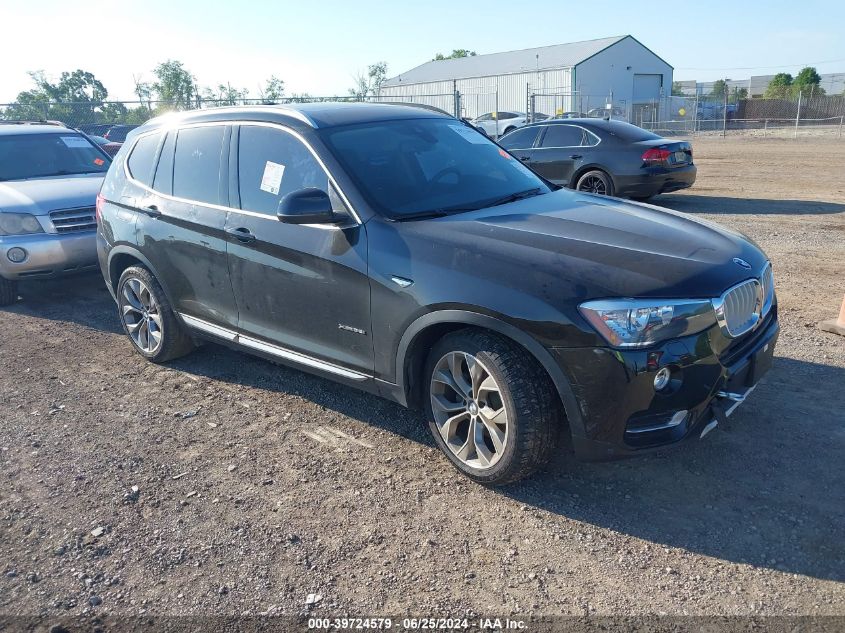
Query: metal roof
column 527, row 59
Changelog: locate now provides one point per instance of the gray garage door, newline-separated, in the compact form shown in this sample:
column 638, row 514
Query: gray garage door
column 647, row 87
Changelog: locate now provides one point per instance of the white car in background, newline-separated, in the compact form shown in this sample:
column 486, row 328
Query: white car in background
column 496, row 126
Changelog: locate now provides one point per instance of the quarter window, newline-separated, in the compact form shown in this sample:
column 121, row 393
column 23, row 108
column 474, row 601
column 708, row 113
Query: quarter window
column 273, row 163
column 196, row 164
column 141, row 159
column 563, row 136
column 163, row 181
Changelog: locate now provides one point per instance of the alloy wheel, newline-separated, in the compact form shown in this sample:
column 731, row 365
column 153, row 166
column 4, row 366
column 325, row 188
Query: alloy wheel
column 141, row 315
column 593, row 184
column 469, row 410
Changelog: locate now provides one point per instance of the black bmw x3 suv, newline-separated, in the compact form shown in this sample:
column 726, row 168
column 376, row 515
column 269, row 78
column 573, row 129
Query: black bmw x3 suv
column 399, row 250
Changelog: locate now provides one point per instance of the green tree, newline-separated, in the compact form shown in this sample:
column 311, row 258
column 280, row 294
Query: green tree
column 76, row 98
column 677, row 89
column 175, row 86
column 720, row 88
column 369, row 84
column 808, row 83
column 780, row 87
column 273, row 90
column 455, row 54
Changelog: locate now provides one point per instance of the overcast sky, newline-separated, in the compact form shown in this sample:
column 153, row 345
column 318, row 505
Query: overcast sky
column 317, row 47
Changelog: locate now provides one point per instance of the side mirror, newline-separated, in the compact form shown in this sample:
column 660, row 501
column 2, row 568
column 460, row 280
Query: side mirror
column 306, row 206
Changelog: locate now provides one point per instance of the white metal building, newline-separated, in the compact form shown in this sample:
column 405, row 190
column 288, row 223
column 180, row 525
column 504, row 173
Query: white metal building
column 565, row 77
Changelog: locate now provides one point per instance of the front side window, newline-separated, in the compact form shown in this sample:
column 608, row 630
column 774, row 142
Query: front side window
column 25, row 156
column 140, row 163
column 196, row 163
column 408, row 167
column 560, row 135
column 271, row 164
column 522, row 138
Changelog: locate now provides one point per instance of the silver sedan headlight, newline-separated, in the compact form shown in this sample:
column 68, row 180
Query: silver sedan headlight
column 19, row 224
column 636, row 323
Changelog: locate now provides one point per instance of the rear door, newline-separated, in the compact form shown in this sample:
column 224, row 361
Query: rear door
column 300, row 288
column 181, row 223
column 561, row 151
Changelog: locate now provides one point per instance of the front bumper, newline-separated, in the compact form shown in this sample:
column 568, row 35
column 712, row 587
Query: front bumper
column 654, row 181
column 622, row 415
column 48, row 255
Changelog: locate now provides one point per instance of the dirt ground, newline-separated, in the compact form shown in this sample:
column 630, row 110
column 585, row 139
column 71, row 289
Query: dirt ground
column 258, row 485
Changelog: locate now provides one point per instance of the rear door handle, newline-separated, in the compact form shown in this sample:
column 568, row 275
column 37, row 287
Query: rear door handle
column 524, row 159
column 243, row 234
column 575, row 156
column 151, row 210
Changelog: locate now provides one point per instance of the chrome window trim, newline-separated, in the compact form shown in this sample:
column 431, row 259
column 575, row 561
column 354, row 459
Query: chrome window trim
column 175, row 127
column 268, row 348
column 548, row 125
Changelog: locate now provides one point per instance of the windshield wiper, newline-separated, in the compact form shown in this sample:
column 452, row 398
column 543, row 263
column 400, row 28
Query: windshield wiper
column 519, row 195
column 430, row 214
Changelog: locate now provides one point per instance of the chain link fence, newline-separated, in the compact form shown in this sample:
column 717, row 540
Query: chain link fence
column 668, row 116
column 783, row 118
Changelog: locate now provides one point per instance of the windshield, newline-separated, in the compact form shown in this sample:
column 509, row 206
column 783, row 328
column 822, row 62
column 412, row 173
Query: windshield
column 42, row 155
column 409, row 167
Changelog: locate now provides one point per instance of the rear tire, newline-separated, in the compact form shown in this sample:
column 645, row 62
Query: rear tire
column 595, row 181
column 148, row 319
column 479, row 384
column 8, row 292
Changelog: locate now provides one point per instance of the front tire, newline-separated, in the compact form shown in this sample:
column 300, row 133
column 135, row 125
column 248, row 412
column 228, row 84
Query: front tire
column 148, row 319
column 491, row 407
column 8, row 292
column 595, row 181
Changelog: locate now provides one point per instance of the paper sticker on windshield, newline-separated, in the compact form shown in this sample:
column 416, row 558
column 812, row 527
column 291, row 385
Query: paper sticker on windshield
column 75, row 141
column 99, row 162
column 469, row 134
column 272, row 178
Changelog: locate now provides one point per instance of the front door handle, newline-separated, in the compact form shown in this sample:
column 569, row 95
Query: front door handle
column 575, row 156
column 151, row 210
column 524, row 159
column 243, row 234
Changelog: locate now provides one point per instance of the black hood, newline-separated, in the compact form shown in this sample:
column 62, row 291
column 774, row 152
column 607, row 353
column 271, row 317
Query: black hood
column 596, row 246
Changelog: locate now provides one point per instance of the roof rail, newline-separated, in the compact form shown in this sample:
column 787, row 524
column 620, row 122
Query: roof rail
column 424, row 106
column 34, row 122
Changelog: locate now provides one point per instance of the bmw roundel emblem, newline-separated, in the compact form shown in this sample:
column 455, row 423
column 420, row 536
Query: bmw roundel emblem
column 741, row 262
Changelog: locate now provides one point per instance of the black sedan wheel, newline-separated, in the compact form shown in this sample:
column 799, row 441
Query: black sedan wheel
column 597, row 182
column 491, row 408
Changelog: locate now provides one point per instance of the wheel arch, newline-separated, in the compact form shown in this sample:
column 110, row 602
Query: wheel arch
column 423, row 332
column 121, row 258
column 573, row 182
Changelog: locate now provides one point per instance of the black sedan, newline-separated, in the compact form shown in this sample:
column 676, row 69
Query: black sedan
column 606, row 157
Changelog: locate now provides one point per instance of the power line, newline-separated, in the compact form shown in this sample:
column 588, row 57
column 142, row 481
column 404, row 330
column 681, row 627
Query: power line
column 827, row 61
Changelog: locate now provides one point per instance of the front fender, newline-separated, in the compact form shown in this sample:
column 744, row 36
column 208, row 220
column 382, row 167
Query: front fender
column 469, row 318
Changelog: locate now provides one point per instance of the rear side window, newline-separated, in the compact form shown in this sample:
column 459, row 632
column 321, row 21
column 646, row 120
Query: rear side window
column 196, row 164
column 564, row 136
column 141, row 159
column 271, row 164
column 163, row 181
column 523, row 138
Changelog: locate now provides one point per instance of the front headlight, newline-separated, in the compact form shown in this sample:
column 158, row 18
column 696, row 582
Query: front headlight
column 19, row 224
column 634, row 323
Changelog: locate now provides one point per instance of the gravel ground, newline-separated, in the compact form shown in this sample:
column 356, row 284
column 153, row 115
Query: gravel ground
column 222, row 484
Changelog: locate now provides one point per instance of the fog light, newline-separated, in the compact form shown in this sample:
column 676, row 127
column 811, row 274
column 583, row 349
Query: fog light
column 16, row 255
column 661, row 380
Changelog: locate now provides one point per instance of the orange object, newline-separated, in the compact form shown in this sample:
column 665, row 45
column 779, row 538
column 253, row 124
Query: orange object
column 836, row 326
